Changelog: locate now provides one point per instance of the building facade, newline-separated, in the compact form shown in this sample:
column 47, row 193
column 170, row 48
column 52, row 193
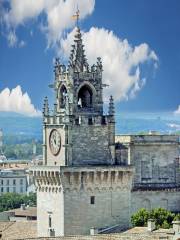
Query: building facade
column 156, row 180
column 88, row 179
column 13, row 181
column 15, row 177
column 79, row 186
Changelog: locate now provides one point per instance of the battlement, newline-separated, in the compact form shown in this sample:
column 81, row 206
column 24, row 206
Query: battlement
column 106, row 178
column 79, row 120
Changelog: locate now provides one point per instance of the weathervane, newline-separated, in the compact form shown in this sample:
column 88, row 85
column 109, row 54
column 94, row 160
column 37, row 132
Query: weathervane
column 76, row 16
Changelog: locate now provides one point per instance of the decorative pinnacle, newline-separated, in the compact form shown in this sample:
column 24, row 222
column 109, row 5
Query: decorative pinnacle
column 111, row 106
column 46, row 107
column 77, row 59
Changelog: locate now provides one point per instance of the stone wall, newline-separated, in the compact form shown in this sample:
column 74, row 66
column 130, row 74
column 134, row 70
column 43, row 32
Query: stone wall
column 50, row 201
column 154, row 163
column 77, row 199
column 92, row 144
column 110, row 190
column 155, row 157
column 50, row 205
column 168, row 199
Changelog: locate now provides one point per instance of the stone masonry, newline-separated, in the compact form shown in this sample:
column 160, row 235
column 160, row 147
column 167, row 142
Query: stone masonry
column 79, row 186
column 89, row 179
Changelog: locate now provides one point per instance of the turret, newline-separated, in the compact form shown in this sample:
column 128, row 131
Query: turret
column 46, row 107
column 111, row 106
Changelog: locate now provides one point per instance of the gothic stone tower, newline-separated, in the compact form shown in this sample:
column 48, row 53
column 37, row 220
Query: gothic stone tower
column 79, row 185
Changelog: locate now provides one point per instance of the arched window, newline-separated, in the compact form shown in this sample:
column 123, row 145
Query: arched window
column 146, row 204
column 63, row 92
column 85, row 96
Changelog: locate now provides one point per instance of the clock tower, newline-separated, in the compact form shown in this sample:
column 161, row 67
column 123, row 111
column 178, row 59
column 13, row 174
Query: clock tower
column 80, row 185
column 78, row 133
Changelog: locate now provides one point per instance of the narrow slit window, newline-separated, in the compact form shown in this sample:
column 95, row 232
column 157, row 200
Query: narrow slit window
column 103, row 120
column 92, row 199
column 50, row 222
column 90, row 121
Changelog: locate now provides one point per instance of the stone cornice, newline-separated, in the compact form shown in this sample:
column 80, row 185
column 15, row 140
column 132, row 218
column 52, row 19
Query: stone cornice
column 99, row 178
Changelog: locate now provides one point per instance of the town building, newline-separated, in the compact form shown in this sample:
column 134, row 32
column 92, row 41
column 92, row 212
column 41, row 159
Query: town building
column 156, row 181
column 15, row 177
column 13, row 181
column 88, row 178
column 79, row 185
column 24, row 213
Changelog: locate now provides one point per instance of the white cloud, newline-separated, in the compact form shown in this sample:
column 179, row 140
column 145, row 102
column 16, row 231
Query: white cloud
column 57, row 13
column 16, row 101
column 122, row 63
column 22, row 44
column 12, row 39
column 178, row 110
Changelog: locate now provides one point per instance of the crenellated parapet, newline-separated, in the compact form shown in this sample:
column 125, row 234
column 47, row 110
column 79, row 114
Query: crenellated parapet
column 47, row 179
column 83, row 179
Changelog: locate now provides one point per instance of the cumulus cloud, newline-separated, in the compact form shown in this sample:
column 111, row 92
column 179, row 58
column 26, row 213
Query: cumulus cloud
column 122, row 63
column 177, row 111
column 57, row 14
column 12, row 39
column 16, row 101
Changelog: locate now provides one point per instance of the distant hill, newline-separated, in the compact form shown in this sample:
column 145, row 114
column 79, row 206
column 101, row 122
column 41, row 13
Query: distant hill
column 14, row 124
column 20, row 128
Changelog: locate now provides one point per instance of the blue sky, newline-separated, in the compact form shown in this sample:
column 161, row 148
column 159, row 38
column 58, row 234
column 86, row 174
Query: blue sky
column 28, row 45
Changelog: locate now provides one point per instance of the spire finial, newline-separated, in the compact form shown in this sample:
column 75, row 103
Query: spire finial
column 76, row 16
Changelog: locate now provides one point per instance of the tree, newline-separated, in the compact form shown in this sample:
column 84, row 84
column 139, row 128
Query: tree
column 163, row 218
column 140, row 218
column 14, row 200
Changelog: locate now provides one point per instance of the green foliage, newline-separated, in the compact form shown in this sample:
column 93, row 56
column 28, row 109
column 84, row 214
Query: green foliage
column 14, row 200
column 163, row 218
column 177, row 217
column 140, row 218
column 165, row 225
column 161, row 215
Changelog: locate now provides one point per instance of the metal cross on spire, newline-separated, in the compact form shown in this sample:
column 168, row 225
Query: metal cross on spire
column 76, row 16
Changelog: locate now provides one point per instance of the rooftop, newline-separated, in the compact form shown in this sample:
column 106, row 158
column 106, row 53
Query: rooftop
column 18, row 230
column 27, row 230
column 24, row 212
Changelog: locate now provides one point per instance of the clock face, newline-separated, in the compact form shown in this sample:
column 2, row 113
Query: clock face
column 55, row 142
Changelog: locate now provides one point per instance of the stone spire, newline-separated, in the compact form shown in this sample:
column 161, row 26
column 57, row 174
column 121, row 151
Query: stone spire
column 111, row 106
column 58, row 68
column 46, row 107
column 77, row 59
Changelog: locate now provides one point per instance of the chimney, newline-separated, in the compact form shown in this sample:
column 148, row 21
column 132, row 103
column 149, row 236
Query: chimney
column 93, row 231
column 151, row 225
column 176, row 227
column 23, row 206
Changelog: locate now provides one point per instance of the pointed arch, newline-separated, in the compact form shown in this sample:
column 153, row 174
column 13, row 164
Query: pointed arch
column 146, row 203
column 62, row 96
column 86, row 95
